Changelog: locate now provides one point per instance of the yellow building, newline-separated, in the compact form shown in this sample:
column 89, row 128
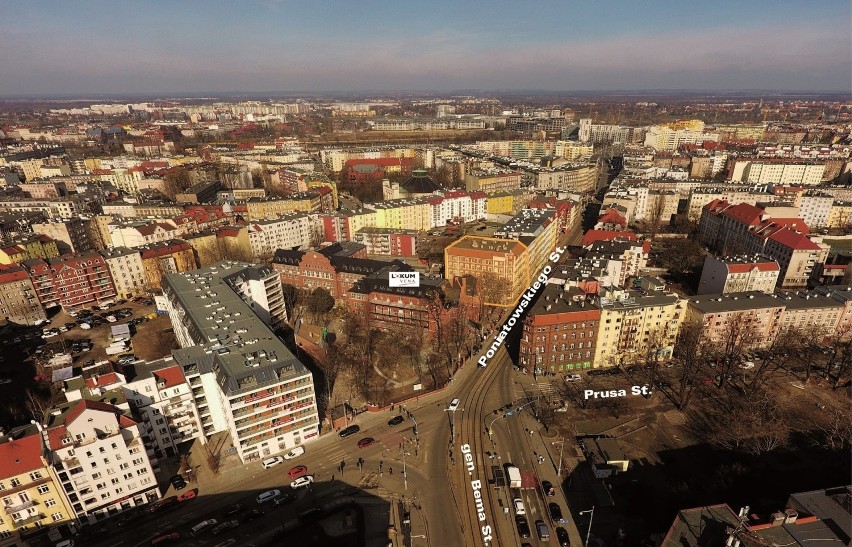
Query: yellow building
column 635, row 326
column 32, row 500
column 332, row 185
column 234, row 242
column 480, row 257
column 840, row 215
column 28, row 248
column 403, row 214
column 508, row 202
column 266, row 208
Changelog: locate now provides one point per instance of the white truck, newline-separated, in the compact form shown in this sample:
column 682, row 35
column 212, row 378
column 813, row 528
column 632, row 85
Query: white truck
column 118, row 347
column 514, row 475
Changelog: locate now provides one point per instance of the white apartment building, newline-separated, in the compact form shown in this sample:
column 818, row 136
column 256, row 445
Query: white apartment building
column 663, row 137
column 98, row 456
column 289, row 232
column 604, row 133
column 777, row 172
column 811, row 312
column 125, row 267
column 454, row 206
column 136, row 233
column 722, row 275
column 815, row 209
column 244, row 379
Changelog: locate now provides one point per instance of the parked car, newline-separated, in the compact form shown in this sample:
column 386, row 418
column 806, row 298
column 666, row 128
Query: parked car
column 396, row 420
column 302, row 481
column 519, row 506
column 269, row 495
column 188, row 495
column 562, row 537
column 366, row 441
column 548, row 488
column 297, row 471
column 573, row 377
column 746, row 365
column 253, row 514
column 284, row 499
column 556, row 513
column 166, row 538
column 294, row 453
column 542, row 530
column 203, row 525
column 523, row 526
column 219, row 528
column 5, row 381
column 454, row 404
column 178, row 482
column 349, row 431
column 272, row 462
column 163, row 503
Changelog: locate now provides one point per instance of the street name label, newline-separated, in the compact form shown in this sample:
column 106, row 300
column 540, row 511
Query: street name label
column 476, row 486
column 635, row 390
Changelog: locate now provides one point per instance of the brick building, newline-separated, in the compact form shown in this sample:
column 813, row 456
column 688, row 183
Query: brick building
column 73, row 281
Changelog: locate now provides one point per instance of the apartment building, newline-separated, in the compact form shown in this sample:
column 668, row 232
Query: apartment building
column 125, row 268
column 385, row 241
column 19, row 301
column 492, row 181
column 753, row 230
column 538, row 229
column 815, row 208
column 71, row 235
column 403, row 214
column 631, row 256
column 508, row 202
column 288, row 232
column 604, row 133
column 244, row 380
column 33, row 503
column 43, row 189
column 28, row 247
column 843, row 294
column 342, row 226
column 507, row 260
column 99, row 458
column 159, row 259
column 737, row 322
column 702, row 196
column 840, row 215
column 560, row 331
column 72, row 281
column 637, row 326
column 457, row 206
column 57, row 208
column 777, row 171
column 332, row 268
column 815, row 314
column 139, row 233
column 312, row 201
column 666, row 137
column 739, row 273
column 569, row 177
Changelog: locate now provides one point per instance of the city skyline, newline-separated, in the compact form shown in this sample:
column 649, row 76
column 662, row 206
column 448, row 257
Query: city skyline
column 85, row 48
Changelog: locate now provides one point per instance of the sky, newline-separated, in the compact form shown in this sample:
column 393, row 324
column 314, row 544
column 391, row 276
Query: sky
column 184, row 46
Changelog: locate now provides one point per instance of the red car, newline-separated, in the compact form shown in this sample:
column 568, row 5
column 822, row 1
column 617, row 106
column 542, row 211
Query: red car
column 365, row 442
column 297, row 471
column 188, row 495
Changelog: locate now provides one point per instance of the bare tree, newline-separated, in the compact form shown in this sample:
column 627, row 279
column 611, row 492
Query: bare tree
column 176, row 182
column 690, row 353
column 38, row 403
column 740, row 334
column 293, row 301
column 654, row 217
column 835, row 432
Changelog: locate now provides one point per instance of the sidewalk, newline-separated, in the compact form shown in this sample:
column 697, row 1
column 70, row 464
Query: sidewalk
column 547, row 471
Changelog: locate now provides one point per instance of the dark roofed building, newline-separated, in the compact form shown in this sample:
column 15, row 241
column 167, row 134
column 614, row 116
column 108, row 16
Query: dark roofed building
column 420, row 183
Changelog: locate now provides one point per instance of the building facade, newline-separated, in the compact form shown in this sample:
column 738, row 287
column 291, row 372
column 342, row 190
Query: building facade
column 738, row 274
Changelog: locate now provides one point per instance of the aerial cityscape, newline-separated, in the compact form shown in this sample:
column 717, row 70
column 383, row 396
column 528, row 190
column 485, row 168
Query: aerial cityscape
column 426, row 276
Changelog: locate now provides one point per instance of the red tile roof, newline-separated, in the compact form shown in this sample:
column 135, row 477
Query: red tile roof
column 760, row 266
column 102, row 380
column 606, row 235
column 794, row 240
column 745, row 213
column 172, row 376
column 612, row 216
column 20, row 456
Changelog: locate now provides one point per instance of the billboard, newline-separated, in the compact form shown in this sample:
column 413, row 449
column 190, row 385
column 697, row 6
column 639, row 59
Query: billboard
column 404, row 279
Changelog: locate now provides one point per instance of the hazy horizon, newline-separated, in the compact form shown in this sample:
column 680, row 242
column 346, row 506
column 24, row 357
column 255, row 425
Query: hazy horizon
column 160, row 48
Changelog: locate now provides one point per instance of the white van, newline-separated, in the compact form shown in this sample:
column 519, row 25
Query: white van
column 203, row 525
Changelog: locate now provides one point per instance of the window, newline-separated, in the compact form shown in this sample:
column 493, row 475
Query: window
column 43, row 489
column 15, row 482
column 50, row 503
column 96, row 475
column 56, row 516
column 35, row 475
column 115, row 480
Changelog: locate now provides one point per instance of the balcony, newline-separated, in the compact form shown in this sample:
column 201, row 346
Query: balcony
column 19, row 524
column 20, row 507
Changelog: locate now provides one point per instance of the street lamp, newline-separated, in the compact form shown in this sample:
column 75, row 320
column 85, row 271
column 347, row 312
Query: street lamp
column 561, row 443
column 589, row 531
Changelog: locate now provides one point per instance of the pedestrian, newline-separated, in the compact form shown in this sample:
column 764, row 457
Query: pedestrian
column 332, row 477
column 390, row 470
